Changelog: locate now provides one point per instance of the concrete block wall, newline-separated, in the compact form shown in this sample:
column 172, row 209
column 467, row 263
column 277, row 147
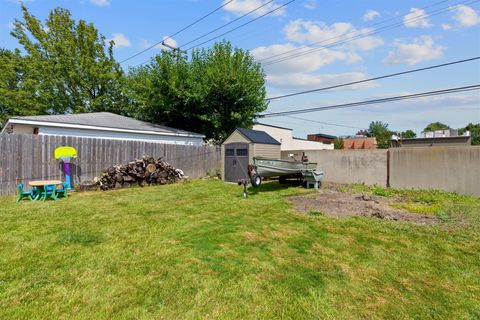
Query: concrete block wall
column 454, row 169
column 349, row 166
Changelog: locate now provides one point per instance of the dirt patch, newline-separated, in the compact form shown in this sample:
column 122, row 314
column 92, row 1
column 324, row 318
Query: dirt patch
column 340, row 204
column 252, row 237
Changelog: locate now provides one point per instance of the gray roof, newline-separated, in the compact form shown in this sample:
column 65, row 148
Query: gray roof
column 105, row 120
column 257, row 136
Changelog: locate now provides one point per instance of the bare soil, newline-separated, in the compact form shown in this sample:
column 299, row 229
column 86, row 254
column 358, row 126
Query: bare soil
column 343, row 204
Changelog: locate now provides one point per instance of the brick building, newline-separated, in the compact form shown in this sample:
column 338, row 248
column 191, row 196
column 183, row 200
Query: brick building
column 321, row 137
column 359, row 143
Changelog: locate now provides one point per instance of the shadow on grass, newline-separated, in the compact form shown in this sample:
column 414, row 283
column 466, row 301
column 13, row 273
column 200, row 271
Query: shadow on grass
column 270, row 186
column 81, row 237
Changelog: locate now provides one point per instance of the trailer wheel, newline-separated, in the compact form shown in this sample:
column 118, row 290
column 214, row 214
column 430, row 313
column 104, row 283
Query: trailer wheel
column 256, row 180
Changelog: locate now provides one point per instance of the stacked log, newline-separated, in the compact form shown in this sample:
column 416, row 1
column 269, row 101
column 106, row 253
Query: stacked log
column 144, row 171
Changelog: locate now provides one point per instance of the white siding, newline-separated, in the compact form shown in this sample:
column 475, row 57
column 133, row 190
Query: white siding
column 266, row 150
column 193, row 141
column 236, row 137
column 22, row 128
column 300, row 144
column 285, row 137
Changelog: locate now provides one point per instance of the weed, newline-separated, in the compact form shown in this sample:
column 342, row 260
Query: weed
column 316, row 213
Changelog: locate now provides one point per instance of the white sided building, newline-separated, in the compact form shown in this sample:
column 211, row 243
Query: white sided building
column 289, row 142
column 101, row 125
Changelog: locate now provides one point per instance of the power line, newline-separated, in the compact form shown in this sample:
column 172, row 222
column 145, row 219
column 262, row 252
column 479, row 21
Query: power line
column 229, row 31
column 356, row 37
column 373, row 79
column 347, row 33
column 227, row 24
column 353, row 38
column 326, row 123
column 179, row 31
column 322, row 122
column 242, row 25
column 374, row 101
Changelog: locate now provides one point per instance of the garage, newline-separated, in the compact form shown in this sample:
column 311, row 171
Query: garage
column 239, row 149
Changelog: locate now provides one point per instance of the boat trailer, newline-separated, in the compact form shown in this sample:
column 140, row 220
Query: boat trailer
column 284, row 169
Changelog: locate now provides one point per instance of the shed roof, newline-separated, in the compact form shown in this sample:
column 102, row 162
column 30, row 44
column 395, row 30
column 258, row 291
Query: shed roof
column 103, row 120
column 257, row 136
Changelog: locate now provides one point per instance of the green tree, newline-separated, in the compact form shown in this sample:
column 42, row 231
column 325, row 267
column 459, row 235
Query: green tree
column 70, row 65
column 474, row 132
column 380, row 131
column 408, row 134
column 17, row 88
column 213, row 92
column 338, row 143
column 436, row 126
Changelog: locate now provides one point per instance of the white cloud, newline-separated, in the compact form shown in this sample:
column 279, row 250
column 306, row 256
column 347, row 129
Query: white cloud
column 430, row 104
column 306, row 63
column 240, row 7
column 302, row 70
column 416, row 19
column 353, row 57
column 144, row 44
column 100, row 3
column 310, row 4
column 421, row 49
column 466, row 16
column 318, row 32
column 120, row 40
column 311, row 81
column 446, row 26
column 366, row 43
column 370, row 15
column 10, row 25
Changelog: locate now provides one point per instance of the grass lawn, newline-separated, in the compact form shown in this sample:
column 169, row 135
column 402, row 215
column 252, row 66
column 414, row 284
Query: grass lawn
column 199, row 250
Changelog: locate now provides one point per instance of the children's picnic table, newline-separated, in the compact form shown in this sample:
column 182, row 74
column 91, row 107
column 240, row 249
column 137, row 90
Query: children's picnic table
column 40, row 185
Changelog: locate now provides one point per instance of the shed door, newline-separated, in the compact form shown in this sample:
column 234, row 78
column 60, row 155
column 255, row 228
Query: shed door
column 236, row 161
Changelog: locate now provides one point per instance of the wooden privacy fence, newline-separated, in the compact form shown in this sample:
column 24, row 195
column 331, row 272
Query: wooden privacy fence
column 30, row 157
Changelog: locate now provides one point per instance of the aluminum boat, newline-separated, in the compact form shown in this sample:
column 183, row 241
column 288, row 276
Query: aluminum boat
column 266, row 167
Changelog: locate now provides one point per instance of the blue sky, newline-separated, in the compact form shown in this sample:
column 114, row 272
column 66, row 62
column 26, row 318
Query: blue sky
column 418, row 37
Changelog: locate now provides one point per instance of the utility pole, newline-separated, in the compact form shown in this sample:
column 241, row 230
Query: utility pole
column 175, row 50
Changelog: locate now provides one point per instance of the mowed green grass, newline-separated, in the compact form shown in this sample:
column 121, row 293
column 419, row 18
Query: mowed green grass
column 199, row 250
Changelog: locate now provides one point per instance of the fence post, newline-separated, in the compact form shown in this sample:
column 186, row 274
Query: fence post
column 388, row 168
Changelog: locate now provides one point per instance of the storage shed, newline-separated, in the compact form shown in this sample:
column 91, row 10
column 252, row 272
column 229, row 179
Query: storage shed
column 239, row 149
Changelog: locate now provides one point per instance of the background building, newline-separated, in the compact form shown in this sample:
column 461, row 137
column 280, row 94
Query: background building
column 359, row 143
column 101, row 125
column 321, row 137
column 289, row 142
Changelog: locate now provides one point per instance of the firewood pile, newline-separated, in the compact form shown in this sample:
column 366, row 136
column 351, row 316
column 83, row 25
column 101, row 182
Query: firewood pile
column 144, row 171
